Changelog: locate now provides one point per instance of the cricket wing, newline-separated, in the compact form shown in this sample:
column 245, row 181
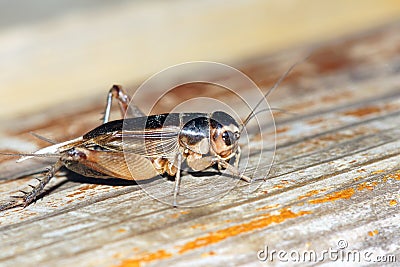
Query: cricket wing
column 116, row 164
column 149, row 144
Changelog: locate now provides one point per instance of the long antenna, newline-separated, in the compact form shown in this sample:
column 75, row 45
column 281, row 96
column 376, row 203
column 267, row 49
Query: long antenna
column 44, row 155
column 43, row 138
column 272, row 109
column 283, row 76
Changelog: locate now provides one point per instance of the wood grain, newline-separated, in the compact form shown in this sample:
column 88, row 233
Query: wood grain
column 336, row 176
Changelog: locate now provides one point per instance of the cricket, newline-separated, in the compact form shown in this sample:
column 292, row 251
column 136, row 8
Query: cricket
column 154, row 145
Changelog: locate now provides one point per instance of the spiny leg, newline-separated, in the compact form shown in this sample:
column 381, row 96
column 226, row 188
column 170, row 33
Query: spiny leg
column 37, row 190
column 123, row 98
column 177, row 178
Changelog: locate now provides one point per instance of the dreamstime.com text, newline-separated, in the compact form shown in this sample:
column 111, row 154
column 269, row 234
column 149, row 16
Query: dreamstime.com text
column 341, row 253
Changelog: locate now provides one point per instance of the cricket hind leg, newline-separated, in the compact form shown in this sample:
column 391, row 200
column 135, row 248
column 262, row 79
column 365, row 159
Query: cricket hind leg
column 123, row 99
column 37, row 190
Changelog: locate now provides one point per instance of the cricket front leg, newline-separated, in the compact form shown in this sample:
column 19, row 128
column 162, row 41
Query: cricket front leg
column 237, row 157
column 236, row 162
column 118, row 93
column 234, row 170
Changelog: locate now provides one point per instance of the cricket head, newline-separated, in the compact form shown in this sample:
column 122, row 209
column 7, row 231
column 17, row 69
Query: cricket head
column 217, row 135
column 224, row 135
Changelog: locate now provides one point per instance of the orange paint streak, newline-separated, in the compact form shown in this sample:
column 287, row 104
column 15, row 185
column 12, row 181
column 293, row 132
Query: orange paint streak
column 372, row 233
column 378, row 171
column 344, row 194
column 395, row 176
column 393, row 203
column 361, row 112
column 146, row 257
column 366, row 185
column 311, row 193
column 258, row 223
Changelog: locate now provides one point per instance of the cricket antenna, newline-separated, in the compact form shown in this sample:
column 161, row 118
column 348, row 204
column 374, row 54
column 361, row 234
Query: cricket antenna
column 44, row 155
column 43, row 138
column 46, row 152
column 283, row 76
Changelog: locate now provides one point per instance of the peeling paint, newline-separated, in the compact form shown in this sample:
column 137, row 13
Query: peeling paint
column 259, row 222
column 145, row 257
column 395, row 176
column 343, row 194
column 311, row 193
column 366, row 185
column 372, row 233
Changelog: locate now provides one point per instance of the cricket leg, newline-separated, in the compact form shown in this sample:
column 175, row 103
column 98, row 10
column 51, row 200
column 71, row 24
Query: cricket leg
column 39, row 189
column 234, row 170
column 237, row 157
column 177, row 178
column 123, row 99
column 235, row 163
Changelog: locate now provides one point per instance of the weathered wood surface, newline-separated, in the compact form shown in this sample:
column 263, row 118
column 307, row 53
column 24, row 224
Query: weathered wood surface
column 336, row 176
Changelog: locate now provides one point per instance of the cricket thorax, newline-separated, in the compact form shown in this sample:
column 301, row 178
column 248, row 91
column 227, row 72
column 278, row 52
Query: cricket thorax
column 195, row 135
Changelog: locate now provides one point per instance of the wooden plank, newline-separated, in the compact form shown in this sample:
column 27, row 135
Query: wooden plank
column 336, row 176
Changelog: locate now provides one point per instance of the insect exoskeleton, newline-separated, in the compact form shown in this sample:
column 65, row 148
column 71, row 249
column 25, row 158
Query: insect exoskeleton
column 141, row 147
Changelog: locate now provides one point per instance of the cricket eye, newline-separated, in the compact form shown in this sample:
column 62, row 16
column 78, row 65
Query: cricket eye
column 228, row 137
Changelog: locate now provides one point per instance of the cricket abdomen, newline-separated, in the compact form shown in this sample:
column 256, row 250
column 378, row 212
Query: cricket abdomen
column 100, row 164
